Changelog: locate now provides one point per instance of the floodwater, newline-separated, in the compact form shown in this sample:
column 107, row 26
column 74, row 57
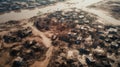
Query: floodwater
column 80, row 4
column 24, row 14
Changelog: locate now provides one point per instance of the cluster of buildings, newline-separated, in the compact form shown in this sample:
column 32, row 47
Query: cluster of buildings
column 77, row 38
column 25, row 52
column 81, row 41
column 8, row 5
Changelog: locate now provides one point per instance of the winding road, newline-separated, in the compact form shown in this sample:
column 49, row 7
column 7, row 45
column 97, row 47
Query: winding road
column 46, row 41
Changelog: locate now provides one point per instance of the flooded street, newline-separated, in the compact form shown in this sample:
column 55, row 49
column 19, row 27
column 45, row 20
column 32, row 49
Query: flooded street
column 80, row 4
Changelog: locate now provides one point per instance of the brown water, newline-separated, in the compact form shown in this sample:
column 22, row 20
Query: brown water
column 80, row 4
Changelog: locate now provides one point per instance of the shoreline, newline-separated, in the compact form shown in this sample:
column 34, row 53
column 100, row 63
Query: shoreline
column 26, row 14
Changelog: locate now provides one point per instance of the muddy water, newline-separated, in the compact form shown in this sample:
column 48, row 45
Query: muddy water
column 80, row 4
column 103, row 15
column 24, row 14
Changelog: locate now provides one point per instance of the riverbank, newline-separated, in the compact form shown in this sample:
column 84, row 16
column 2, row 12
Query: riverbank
column 79, row 4
column 8, row 5
column 26, row 14
column 112, row 7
